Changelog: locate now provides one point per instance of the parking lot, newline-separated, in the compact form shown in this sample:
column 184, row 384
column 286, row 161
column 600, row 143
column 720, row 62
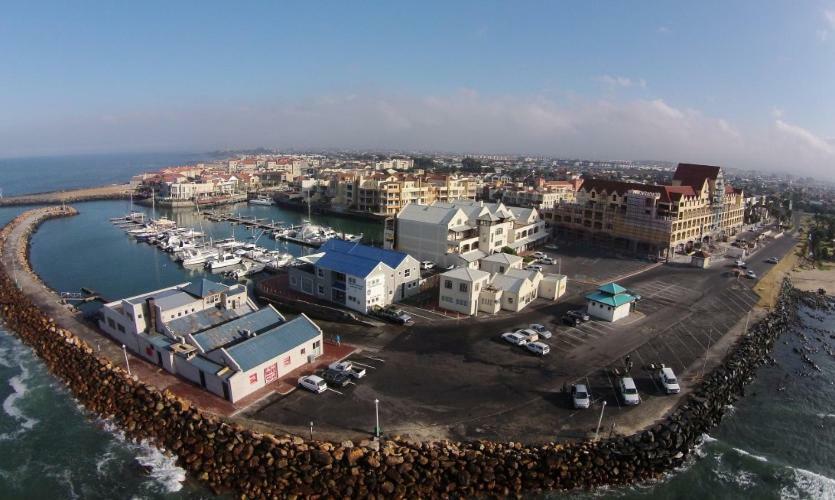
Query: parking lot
column 459, row 379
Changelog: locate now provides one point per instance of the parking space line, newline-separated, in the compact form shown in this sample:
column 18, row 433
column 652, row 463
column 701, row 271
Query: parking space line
column 687, row 330
column 673, row 352
column 599, row 332
column 565, row 341
column 375, row 359
column 334, row 390
column 363, row 364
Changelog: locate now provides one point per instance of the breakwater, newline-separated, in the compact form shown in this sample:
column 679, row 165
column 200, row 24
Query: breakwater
column 115, row 192
column 226, row 455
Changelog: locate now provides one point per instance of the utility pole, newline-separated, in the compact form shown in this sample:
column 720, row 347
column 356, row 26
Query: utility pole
column 599, row 421
column 127, row 362
column 377, row 415
column 311, row 430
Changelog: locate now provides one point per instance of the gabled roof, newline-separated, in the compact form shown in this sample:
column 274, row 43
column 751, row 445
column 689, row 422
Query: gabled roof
column 503, row 258
column 272, row 343
column 348, row 264
column 427, row 213
column 226, row 333
column 509, row 282
column 466, row 274
column 203, row 288
column 689, row 174
column 611, row 289
column 472, row 255
column 621, row 188
column 391, row 258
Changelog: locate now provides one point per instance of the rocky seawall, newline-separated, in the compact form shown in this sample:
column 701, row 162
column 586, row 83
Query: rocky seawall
column 229, row 457
column 115, row 192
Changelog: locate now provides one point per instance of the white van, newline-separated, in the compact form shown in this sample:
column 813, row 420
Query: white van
column 538, row 348
column 313, row 383
column 667, row 379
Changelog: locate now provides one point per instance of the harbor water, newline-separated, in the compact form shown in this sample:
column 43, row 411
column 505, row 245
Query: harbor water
column 776, row 442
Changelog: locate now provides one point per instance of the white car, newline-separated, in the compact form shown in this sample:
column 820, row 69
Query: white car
column 534, row 267
column 515, row 338
column 548, row 261
column 580, row 396
column 667, row 379
column 538, row 348
column 773, row 260
column 313, row 383
column 628, row 391
column 540, row 330
column 539, row 255
column 529, row 334
column 427, row 264
column 750, row 274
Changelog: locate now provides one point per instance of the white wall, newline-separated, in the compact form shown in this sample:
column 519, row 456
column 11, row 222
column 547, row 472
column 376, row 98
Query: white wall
column 607, row 313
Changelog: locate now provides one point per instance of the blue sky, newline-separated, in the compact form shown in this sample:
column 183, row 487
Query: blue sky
column 749, row 84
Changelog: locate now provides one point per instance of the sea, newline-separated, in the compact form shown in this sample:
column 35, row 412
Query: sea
column 776, row 442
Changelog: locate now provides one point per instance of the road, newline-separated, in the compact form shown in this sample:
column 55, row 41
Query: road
column 457, row 379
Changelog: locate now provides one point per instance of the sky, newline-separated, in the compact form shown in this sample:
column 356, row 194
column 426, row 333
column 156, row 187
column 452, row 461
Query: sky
column 746, row 84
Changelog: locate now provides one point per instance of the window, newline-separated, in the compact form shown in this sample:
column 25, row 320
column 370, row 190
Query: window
column 510, row 300
column 121, row 328
column 302, row 351
column 139, row 316
column 316, row 344
column 501, row 269
column 111, row 323
column 407, row 273
column 321, row 290
column 448, row 284
column 462, row 287
column 320, row 272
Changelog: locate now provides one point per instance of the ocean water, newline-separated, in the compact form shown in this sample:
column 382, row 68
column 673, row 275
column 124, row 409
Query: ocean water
column 56, row 173
column 775, row 443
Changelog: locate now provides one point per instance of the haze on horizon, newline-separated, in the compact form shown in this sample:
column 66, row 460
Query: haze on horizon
column 741, row 84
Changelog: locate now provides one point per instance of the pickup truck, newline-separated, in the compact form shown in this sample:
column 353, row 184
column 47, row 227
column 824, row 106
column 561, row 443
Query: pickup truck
column 348, row 368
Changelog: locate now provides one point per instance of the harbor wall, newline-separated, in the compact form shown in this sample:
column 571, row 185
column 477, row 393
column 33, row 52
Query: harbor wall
column 116, row 192
column 228, row 456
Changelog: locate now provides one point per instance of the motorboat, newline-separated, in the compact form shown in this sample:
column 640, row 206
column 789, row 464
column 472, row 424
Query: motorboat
column 194, row 256
column 223, row 260
column 261, row 200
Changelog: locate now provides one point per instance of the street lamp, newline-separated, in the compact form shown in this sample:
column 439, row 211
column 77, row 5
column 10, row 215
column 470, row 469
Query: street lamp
column 127, row 362
column 597, row 432
column 377, row 415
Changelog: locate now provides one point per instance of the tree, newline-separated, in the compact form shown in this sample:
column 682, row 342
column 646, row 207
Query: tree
column 508, row 250
column 470, row 165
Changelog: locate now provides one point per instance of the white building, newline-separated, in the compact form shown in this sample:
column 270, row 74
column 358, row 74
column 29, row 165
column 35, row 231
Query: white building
column 444, row 232
column 213, row 335
column 501, row 262
column 460, row 289
column 610, row 302
column 357, row 276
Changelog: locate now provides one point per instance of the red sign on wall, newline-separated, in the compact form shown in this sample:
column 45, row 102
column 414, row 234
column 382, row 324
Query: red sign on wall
column 287, row 361
column 271, row 373
column 253, row 377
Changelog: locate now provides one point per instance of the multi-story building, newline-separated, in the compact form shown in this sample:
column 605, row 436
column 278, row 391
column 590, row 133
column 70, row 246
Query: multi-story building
column 357, row 276
column 545, row 194
column 213, row 335
column 462, row 231
column 698, row 207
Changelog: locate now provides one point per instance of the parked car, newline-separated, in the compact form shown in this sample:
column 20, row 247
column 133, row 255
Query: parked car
column 534, row 267
column 741, row 264
column 348, row 368
column 541, row 330
column 667, row 379
column 575, row 317
column 580, row 396
column 529, row 334
column 393, row 314
column 335, row 378
column 539, row 255
column 773, row 260
column 515, row 338
column 539, row 348
column 427, row 264
column 548, row 261
column 751, row 274
column 628, row 391
column 635, row 294
column 313, row 383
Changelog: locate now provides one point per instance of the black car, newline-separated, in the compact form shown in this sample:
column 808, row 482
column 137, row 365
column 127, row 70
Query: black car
column 397, row 316
column 335, row 378
column 579, row 314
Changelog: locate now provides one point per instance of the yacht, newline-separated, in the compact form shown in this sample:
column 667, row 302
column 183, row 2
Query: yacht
column 224, row 260
column 194, row 256
column 261, row 200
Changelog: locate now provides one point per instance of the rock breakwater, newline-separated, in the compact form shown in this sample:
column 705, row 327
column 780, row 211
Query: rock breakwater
column 227, row 456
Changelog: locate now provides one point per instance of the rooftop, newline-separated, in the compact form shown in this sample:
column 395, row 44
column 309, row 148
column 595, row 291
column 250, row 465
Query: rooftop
column 503, row 258
column 391, row 258
column 200, row 320
column 266, row 346
column 231, row 331
column 348, row 264
column 466, row 274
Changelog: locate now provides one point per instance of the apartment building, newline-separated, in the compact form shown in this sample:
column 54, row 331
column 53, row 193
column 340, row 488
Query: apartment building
column 446, row 232
column 470, row 291
column 545, row 194
column 386, row 194
column 697, row 207
column 357, row 276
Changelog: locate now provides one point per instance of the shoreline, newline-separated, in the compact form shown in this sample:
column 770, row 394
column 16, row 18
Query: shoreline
column 371, row 467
